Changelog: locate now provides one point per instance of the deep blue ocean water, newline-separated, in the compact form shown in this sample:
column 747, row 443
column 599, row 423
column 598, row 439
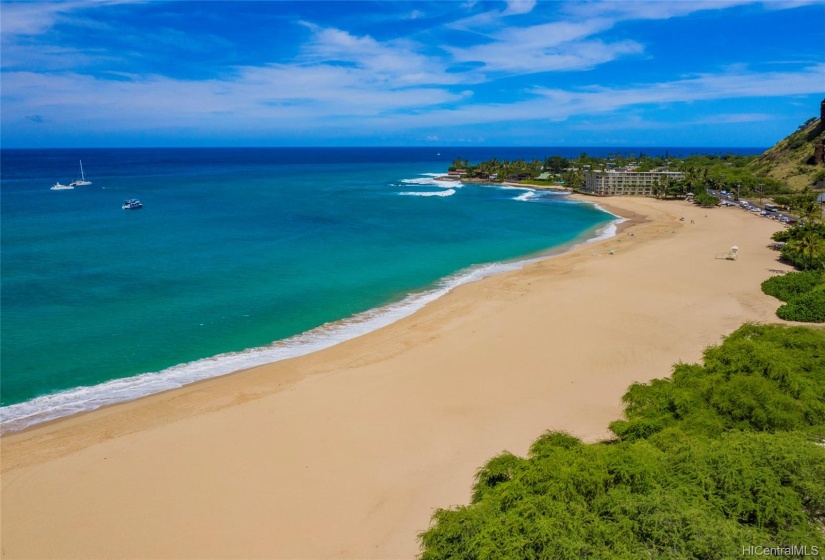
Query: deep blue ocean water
column 234, row 250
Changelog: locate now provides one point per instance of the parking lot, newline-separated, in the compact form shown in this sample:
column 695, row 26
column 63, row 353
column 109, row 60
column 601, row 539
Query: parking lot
column 769, row 211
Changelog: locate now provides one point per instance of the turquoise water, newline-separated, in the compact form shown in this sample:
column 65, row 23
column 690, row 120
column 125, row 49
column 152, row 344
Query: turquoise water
column 233, row 250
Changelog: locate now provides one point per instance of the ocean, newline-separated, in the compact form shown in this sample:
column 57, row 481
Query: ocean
column 239, row 257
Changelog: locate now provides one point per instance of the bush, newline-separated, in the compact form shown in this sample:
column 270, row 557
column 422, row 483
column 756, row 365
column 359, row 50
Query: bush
column 799, row 231
column 764, row 378
column 782, row 235
column 804, row 293
column 705, row 462
column 807, row 308
column 797, row 255
column 792, row 284
column 686, row 498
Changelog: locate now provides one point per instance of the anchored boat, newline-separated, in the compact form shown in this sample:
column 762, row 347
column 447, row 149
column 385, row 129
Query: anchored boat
column 82, row 182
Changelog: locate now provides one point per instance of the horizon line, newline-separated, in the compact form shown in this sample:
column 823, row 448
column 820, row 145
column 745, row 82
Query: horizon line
column 446, row 146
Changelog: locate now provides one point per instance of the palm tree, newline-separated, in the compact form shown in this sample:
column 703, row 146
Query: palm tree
column 811, row 247
column 806, row 206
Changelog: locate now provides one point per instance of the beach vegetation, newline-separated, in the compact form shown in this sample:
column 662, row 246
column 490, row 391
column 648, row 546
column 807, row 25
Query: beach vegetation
column 803, row 294
column 706, row 200
column 806, row 251
column 720, row 455
column 556, row 164
column 459, row 163
column 804, row 242
column 807, row 308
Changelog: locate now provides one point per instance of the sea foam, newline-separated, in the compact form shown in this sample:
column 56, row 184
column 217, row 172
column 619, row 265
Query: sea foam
column 432, row 179
column 448, row 192
column 83, row 399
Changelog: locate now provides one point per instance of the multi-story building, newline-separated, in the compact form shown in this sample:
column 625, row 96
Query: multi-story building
column 641, row 183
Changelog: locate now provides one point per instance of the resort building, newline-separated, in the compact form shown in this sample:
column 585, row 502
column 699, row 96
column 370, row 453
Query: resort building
column 641, row 183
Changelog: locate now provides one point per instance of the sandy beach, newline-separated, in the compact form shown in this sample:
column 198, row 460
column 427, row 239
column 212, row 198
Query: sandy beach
column 346, row 452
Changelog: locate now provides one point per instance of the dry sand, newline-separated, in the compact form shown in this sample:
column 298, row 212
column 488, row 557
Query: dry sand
column 345, row 453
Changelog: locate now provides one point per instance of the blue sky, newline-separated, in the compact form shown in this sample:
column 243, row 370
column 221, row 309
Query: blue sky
column 115, row 73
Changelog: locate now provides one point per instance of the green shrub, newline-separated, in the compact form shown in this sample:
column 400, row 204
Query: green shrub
column 807, row 308
column 717, row 457
column 802, row 257
column 766, row 378
column 792, row 284
column 804, row 293
column 783, row 235
column 689, row 498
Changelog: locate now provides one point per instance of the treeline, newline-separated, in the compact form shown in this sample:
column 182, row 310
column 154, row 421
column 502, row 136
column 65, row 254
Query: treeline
column 721, row 172
column 803, row 246
column 717, row 458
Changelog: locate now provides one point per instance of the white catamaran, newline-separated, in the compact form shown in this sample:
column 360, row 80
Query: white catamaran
column 82, row 182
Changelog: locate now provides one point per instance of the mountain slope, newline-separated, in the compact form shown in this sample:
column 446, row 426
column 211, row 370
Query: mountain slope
column 799, row 159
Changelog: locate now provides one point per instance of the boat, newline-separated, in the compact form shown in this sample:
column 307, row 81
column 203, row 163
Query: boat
column 132, row 204
column 60, row 187
column 82, row 182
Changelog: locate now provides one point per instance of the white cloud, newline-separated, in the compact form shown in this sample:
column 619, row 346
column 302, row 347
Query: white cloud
column 632, row 10
column 547, row 47
column 344, row 83
column 316, row 100
column 32, row 18
column 396, row 63
column 556, row 105
column 516, row 7
column 36, row 18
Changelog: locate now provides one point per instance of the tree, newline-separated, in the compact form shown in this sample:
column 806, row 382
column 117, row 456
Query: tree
column 808, row 208
column 556, row 164
column 660, row 187
column 458, row 163
column 807, row 252
column 705, row 200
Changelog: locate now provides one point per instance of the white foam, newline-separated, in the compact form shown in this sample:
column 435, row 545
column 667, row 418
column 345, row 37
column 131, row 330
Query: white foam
column 431, row 179
column 448, row 192
column 82, row 399
column 606, row 232
column 526, row 196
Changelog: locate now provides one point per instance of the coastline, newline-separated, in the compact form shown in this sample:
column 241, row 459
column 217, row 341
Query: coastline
column 67, row 403
column 359, row 442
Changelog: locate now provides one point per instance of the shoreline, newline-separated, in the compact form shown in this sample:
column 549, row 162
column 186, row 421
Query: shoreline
column 63, row 404
column 345, row 452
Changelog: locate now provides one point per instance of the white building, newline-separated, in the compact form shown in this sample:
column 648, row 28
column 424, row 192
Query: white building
column 641, row 183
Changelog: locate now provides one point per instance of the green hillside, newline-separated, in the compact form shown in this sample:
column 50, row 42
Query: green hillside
column 797, row 160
